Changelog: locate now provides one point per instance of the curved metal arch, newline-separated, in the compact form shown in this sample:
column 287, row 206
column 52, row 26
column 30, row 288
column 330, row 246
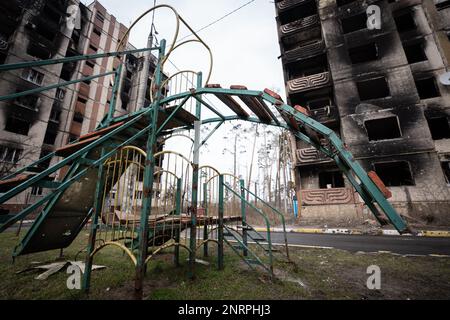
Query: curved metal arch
column 116, row 244
column 173, row 244
column 180, row 45
column 205, row 241
column 142, row 152
column 210, row 167
column 178, row 135
column 172, row 152
column 175, row 74
column 223, row 174
column 165, row 171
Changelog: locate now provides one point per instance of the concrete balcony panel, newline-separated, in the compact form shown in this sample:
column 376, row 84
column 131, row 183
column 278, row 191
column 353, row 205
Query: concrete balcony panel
column 314, row 81
column 328, row 196
column 303, row 52
column 287, row 4
column 308, row 156
column 299, row 25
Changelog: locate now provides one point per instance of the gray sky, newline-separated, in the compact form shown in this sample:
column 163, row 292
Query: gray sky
column 244, row 45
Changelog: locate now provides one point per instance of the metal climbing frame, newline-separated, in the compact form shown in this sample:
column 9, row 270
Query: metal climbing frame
column 144, row 201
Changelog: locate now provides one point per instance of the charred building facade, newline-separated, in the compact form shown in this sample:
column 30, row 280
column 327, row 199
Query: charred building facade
column 380, row 91
column 35, row 125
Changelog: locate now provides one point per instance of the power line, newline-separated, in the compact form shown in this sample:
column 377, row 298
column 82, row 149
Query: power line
column 220, row 19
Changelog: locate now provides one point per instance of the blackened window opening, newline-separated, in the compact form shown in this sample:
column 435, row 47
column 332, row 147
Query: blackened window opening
column 427, row 88
column 308, row 67
column 341, row 3
column 373, row 89
column 296, row 13
column 394, row 174
column 382, row 129
column 16, row 125
column 445, row 165
column 331, row 179
column 414, row 52
column 405, row 22
column 439, row 128
column 354, row 23
column 365, row 53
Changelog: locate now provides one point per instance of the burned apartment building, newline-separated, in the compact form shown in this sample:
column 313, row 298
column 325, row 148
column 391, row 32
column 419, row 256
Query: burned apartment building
column 380, row 91
column 35, row 125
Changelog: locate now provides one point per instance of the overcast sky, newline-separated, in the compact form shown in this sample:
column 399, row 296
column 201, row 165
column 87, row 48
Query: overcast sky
column 244, row 45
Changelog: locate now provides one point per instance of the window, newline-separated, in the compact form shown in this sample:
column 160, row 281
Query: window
column 97, row 32
column 439, row 128
column 354, row 23
column 54, row 115
column 50, row 137
column 10, row 154
column 45, row 164
column 405, row 22
column 100, row 17
column 78, row 117
column 319, row 103
column 365, row 53
column 414, row 52
column 36, row 191
column 94, row 48
column 382, row 129
column 445, row 165
column 331, row 179
column 82, row 100
column 17, row 125
column 28, row 101
column 38, row 51
column 33, row 76
column 88, row 82
column 341, row 3
column 60, row 93
column 373, row 89
column 90, row 63
column 393, row 174
column 427, row 88
column 309, row 8
column 442, row 4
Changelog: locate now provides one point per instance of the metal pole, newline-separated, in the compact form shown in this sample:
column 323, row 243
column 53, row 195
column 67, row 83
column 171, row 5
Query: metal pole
column 148, row 181
column 112, row 105
column 177, row 231
column 244, row 217
column 194, row 200
column 94, row 225
column 220, row 229
column 205, row 226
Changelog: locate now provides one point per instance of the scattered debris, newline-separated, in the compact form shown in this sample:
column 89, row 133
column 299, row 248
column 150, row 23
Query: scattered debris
column 203, row 262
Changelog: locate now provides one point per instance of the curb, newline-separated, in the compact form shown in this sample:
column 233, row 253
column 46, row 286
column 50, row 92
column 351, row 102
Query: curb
column 421, row 233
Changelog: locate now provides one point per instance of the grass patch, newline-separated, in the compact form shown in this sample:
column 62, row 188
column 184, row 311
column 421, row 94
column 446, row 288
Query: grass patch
column 324, row 273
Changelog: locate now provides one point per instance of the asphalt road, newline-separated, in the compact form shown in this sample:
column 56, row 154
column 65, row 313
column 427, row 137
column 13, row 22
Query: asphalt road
column 395, row 244
column 405, row 245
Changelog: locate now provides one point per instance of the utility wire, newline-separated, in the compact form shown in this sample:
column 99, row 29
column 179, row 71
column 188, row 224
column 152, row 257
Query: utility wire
column 220, row 19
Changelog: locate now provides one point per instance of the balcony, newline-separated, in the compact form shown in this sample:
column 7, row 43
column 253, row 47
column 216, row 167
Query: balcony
column 84, row 89
column 311, row 197
column 311, row 155
column 306, row 51
column 326, row 115
column 299, row 25
column 287, row 4
column 314, row 81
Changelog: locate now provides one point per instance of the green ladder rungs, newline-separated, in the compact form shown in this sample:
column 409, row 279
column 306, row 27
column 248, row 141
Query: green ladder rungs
column 242, row 246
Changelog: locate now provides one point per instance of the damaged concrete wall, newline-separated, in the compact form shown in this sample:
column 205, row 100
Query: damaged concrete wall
column 392, row 110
